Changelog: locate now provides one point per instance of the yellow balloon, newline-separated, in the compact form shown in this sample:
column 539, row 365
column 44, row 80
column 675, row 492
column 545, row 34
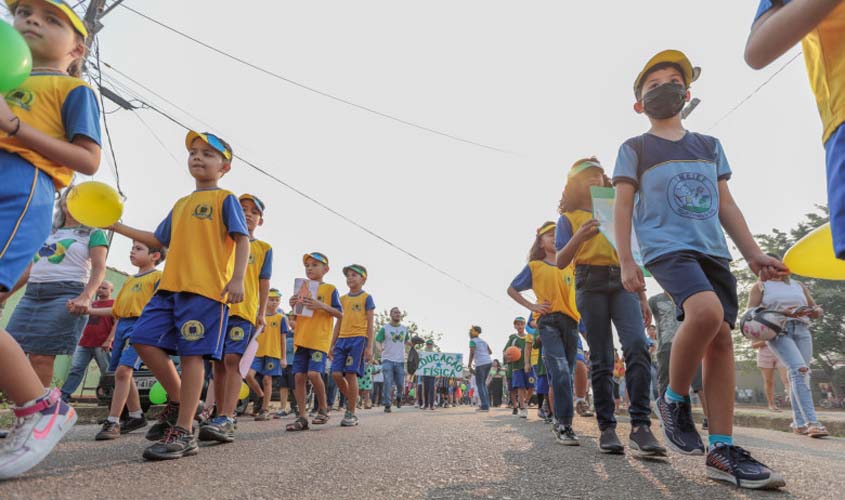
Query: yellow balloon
column 95, row 204
column 813, row 256
column 244, row 391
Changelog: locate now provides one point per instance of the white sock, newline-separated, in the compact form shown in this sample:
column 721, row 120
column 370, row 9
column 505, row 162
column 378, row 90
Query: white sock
column 111, row 419
column 136, row 414
column 579, row 400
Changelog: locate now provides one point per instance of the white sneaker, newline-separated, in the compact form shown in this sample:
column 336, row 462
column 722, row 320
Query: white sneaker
column 523, row 413
column 38, row 429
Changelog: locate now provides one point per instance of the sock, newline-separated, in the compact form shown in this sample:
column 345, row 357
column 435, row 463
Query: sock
column 136, row 414
column 719, row 438
column 674, row 397
column 580, row 400
column 111, row 419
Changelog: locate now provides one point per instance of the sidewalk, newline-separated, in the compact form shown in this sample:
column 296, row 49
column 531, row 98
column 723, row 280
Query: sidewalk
column 762, row 418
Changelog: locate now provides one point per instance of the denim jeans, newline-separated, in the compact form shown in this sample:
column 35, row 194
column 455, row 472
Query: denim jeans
column 601, row 299
column 795, row 350
column 394, row 374
column 559, row 335
column 79, row 364
column 481, row 373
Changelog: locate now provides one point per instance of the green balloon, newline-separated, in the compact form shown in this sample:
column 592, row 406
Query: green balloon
column 463, row 387
column 158, row 395
column 15, row 58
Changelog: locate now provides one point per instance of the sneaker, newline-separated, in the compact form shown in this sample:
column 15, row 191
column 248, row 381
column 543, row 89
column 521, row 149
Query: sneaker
column 679, row 427
column 4, row 434
column 523, row 413
column 132, row 424
column 166, row 419
column 549, row 418
column 220, row 429
column 280, row 414
column 734, row 465
column 515, row 411
column 207, row 413
column 263, row 416
column 801, row 431
column 349, row 420
column 583, row 409
column 565, row 435
column 643, row 442
column 817, row 430
column 110, row 430
column 387, row 409
column 609, row 442
column 704, row 424
column 38, row 428
column 177, row 443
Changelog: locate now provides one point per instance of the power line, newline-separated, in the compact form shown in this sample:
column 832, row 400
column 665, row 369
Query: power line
column 317, row 91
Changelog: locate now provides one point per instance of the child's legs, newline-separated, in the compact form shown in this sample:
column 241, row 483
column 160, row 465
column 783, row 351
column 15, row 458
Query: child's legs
column 18, row 379
column 769, row 384
column 719, row 381
column 193, row 374
column 233, row 384
column 133, row 402
column 123, row 383
column 78, row 364
column 300, row 379
column 211, row 393
column 219, row 370
column 580, row 380
column 283, row 397
column 319, row 389
column 342, row 383
column 351, row 383
column 703, row 321
column 787, row 350
column 628, row 318
column 43, row 366
column 268, row 391
column 835, row 160
column 559, row 337
column 595, row 312
column 163, row 368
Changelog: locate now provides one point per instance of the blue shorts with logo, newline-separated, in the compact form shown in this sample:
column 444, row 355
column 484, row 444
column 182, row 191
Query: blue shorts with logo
column 122, row 352
column 309, row 360
column 348, row 356
column 26, row 215
column 523, row 379
column 265, row 365
column 238, row 334
column 834, row 150
column 183, row 323
column 542, row 384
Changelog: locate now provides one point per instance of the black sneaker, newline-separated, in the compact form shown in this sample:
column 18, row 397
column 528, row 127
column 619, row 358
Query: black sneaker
column 609, row 442
column 515, row 412
column 132, row 424
column 220, row 429
column 644, row 443
column 166, row 419
column 387, row 409
column 704, row 425
column 734, row 465
column 110, row 430
column 679, row 427
column 176, row 443
column 565, row 435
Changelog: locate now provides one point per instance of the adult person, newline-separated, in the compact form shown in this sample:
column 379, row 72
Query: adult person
column 96, row 338
column 480, row 352
column 60, row 285
column 795, row 347
column 768, row 364
column 391, row 340
column 496, row 383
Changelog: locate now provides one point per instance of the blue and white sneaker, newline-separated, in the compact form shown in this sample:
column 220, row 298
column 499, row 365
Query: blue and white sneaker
column 220, row 429
column 735, row 465
column 679, row 427
column 38, row 428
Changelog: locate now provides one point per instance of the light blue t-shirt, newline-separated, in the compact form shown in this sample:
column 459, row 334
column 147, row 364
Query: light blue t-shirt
column 677, row 185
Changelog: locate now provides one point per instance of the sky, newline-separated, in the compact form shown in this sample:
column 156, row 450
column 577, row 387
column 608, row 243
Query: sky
column 548, row 82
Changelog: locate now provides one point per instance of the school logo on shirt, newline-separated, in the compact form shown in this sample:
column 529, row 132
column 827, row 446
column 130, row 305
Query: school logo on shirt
column 692, row 196
column 203, row 211
column 137, row 287
column 192, row 331
column 274, row 324
column 55, row 252
column 316, row 356
column 236, row 334
column 356, row 307
column 252, row 258
column 21, row 98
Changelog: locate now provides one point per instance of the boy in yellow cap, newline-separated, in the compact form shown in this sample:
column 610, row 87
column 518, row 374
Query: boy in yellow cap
column 312, row 340
column 245, row 319
column 681, row 179
column 208, row 242
column 271, row 356
column 352, row 343
column 820, row 27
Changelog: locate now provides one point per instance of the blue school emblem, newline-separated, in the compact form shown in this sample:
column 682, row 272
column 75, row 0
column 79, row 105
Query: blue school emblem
column 692, row 196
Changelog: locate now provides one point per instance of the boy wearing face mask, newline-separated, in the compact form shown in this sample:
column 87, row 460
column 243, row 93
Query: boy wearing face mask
column 683, row 201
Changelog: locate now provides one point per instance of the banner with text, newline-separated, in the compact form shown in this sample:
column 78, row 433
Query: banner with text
column 440, row 364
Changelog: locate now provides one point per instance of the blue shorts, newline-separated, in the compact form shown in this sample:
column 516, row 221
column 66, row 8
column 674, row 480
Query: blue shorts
column 183, row 323
column 265, row 365
column 287, row 381
column 542, row 384
column 348, row 356
column 579, row 354
column 26, row 215
column 309, row 360
column 523, row 380
column 238, row 334
column 834, row 150
column 122, row 352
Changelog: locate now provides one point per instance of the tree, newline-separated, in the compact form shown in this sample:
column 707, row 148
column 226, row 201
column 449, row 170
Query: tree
column 828, row 332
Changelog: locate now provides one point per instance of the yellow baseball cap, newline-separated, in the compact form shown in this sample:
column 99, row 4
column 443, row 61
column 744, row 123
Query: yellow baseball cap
column 212, row 140
column 254, row 199
column 690, row 72
column 274, row 292
column 74, row 18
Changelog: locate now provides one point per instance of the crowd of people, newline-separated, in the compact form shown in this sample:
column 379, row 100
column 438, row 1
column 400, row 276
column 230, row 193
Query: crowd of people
column 671, row 187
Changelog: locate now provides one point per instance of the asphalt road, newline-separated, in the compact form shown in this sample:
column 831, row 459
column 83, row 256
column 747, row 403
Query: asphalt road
column 411, row 454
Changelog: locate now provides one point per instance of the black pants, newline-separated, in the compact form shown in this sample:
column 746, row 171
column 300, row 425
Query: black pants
column 496, row 387
column 378, row 387
column 428, row 392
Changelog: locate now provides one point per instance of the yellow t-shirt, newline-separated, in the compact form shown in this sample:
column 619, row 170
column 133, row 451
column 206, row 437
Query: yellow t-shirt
column 260, row 267
column 824, row 54
column 316, row 332
column 550, row 284
column 596, row 251
column 355, row 307
column 535, row 351
column 270, row 340
column 197, row 232
column 135, row 294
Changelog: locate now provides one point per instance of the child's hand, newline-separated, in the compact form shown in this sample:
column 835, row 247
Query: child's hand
column 284, row 362
column 330, row 354
column 313, row 304
column 632, row 278
column 368, row 354
column 234, row 291
column 260, row 323
column 647, row 316
column 587, row 230
column 293, row 301
column 767, row 267
column 527, row 368
column 541, row 309
column 8, row 120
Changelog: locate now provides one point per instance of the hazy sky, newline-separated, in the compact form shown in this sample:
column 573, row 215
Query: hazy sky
column 548, row 80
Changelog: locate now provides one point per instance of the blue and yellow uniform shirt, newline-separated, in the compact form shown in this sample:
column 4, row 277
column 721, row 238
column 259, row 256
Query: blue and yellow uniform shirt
column 316, row 332
column 824, row 54
column 270, row 341
column 677, row 183
column 61, row 106
column 197, row 232
column 549, row 284
column 135, row 294
column 355, row 307
column 597, row 251
column 260, row 267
